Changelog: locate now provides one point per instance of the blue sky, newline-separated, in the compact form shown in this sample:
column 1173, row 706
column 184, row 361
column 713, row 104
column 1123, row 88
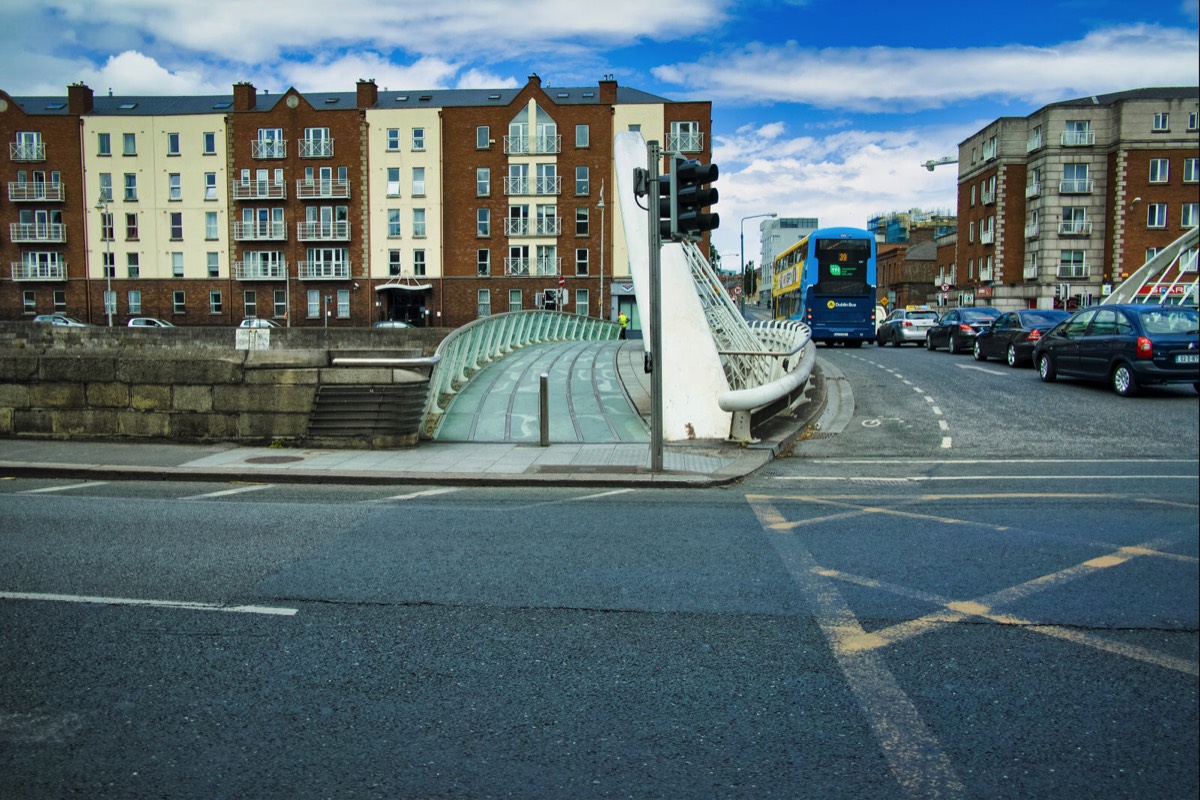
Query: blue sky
column 821, row 108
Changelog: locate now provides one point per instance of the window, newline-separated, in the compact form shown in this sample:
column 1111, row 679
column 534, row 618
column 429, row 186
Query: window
column 1191, row 121
column 1071, row 264
column 129, row 144
column 214, row 264
column 418, row 139
column 581, row 301
column 1189, row 218
column 483, row 139
column 250, row 303
column 1187, row 260
column 1078, row 132
column 483, row 181
column 214, row 302
column 172, row 144
column 581, row 180
column 1158, row 170
column 972, row 194
column 685, row 136
column 106, row 227
column 130, row 187
column 483, row 263
column 174, row 187
column 177, row 265
column 1075, row 179
column 393, row 139
column 103, row 144
column 210, row 186
column 1191, row 170
column 210, row 225
column 316, row 144
column 582, row 136
column 581, row 261
column 106, row 186
column 393, row 181
column 971, row 232
column 281, row 303
column 394, row 263
column 343, row 303
column 133, row 267
column 393, row 224
column 176, row 225
column 514, row 299
column 179, row 302
column 419, row 263
column 1156, row 215
column 483, row 222
column 135, row 301
column 483, row 303
column 131, row 227
column 418, row 182
column 1162, row 122
column 29, row 301
column 581, row 221
column 418, row 223
column 313, row 304
column 210, row 143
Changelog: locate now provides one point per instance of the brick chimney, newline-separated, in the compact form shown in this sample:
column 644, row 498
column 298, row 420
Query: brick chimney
column 79, row 99
column 368, row 93
column 608, row 90
column 245, row 97
column 535, row 81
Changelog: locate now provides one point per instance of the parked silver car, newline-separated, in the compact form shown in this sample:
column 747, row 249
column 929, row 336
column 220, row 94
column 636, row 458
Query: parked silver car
column 61, row 320
column 258, row 322
column 905, row 325
column 149, row 322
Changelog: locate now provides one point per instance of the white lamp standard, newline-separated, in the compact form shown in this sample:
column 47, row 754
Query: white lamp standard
column 742, row 233
column 102, row 207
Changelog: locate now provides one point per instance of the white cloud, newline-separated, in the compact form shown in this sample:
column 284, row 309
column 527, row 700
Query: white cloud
column 136, row 73
column 884, row 79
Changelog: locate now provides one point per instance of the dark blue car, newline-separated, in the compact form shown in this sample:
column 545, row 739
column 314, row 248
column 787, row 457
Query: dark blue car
column 1127, row 345
column 1014, row 334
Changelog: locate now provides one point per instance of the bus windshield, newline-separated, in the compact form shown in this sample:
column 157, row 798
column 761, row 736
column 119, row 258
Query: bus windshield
column 842, row 266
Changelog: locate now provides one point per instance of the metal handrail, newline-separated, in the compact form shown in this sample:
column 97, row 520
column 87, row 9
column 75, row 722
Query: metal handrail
column 1163, row 275
column 469, row 348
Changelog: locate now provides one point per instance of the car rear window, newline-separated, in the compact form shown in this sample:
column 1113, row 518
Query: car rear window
column 1169, row 320
column 976, row 316
column 1043, row 319
column 922, row 315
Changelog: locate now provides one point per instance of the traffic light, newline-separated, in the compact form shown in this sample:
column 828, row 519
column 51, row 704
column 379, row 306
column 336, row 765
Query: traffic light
column 683, row 194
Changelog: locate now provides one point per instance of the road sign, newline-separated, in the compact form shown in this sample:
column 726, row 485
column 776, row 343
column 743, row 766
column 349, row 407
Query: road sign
column 562, row 280
column 945, row 287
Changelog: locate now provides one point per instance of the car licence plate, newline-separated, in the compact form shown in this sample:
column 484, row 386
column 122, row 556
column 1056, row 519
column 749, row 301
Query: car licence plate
column 1187, row 358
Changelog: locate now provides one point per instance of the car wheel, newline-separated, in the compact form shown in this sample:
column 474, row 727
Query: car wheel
column 929, row 343
column 1011, row 356
column 895, row 339
column 1123, row 382
column 1045, row 368
column 977, row 352
column 952, row 344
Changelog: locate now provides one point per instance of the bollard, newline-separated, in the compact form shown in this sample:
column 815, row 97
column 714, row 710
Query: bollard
column 544, row 408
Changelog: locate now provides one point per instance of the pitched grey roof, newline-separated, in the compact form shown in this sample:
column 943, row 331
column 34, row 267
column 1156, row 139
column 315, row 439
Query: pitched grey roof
column 1160, row 93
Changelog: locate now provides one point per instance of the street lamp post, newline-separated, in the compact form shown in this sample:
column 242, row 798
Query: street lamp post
column 102, row 207
column 742, row 234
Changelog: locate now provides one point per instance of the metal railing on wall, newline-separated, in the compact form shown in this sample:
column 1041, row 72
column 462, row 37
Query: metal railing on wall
column 475, row 345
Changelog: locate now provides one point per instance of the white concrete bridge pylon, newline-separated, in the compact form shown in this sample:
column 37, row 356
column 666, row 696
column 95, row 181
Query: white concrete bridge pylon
column 692, row 375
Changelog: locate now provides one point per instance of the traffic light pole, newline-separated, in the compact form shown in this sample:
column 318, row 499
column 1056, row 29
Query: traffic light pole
column 654, row 159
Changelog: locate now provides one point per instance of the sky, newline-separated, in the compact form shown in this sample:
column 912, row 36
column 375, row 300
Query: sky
column 821, row 108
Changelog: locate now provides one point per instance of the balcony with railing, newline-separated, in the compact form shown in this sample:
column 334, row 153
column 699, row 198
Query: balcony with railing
column 260, row 231
column 1033, row 142
column 27, row 151
column 1032, row 189
column 539, row 187
column 547, row 144
column 523, row 227
column 247, row 270
column 987, row 196
column 684, row 142
column 268, row 149
column 35, row 271
column 37, row 232
column 316, row 148
column 1075, row 227
column 532, row 267
column 1031, row 272
column 322, row 231
column 987, row 237
column 38, row 191
column 1072, row 271
column 1033, row 230
column 258, row 190
column 1078, row 138
column 323, row 270
column 323, row 189
column 1076, row 186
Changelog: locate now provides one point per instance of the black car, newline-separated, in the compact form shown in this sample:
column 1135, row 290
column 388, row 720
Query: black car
column 1128, row 345
column 958, row 327
column 1013, row 335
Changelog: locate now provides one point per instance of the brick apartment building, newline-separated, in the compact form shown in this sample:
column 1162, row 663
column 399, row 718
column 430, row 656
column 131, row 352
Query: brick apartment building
column 1074, row 197
column 323, row 208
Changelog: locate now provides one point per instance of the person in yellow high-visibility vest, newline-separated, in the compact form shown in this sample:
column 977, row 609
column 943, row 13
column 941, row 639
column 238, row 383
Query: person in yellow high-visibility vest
column 623, row 321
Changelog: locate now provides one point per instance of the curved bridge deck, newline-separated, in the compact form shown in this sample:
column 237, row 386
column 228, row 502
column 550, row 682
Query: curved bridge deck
column 598, row 393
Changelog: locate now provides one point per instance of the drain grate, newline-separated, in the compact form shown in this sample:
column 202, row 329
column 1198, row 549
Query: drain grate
column 274, row 459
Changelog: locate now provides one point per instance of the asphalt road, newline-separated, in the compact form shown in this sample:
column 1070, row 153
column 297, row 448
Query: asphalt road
column 1001, row 607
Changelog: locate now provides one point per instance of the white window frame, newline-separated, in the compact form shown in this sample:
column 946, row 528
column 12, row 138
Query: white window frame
column 1156, row 215
column 1160, row 170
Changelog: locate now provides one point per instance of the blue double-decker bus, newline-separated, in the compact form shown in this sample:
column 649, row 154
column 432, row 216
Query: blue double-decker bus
column 827, row 280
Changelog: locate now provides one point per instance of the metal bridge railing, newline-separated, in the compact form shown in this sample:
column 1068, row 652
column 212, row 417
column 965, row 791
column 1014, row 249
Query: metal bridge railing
column 1169, row 276
column 469, row 348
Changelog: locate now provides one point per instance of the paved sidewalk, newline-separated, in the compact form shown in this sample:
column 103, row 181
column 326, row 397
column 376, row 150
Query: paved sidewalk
column 617, row 463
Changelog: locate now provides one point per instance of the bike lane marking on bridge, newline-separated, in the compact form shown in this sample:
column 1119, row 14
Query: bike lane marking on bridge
column 183, row 605
column 946, row 442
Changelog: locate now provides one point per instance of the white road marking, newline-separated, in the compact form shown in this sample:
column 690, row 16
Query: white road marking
column 983, row 369
column 945, row 478
column 46, row 489
column 128, row 601
column 946, row 442
column 225, row 492
column 422, row 493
